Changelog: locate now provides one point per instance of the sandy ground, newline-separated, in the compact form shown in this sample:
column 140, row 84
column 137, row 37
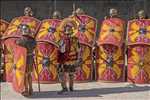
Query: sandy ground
column 83, row 91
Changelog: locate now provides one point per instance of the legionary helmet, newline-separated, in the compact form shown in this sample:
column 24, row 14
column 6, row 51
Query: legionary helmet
column 141, row 14
column 80, row 11
column 56, row 15
column 28, row 11
column 113, row 12
column 68, row 25
column 25, row 30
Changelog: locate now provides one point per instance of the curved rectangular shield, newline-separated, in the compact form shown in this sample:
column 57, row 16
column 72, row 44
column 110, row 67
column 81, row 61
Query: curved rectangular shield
column 139, row 51
column 110, row 51
column 46, row 51
column 86, row 33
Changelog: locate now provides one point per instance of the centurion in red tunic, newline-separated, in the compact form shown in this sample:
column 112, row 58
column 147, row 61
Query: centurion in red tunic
column 67, row 53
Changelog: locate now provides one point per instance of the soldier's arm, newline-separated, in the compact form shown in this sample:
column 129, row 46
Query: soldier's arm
column 32, row 44
column 21, row 42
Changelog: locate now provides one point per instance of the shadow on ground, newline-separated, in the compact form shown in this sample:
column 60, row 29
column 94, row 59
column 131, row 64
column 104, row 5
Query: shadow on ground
column 96, row 92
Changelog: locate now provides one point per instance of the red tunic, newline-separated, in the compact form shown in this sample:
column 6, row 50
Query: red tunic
column 67, row 55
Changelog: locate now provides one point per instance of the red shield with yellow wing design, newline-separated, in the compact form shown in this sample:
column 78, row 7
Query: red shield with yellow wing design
column 139, row 51
column 12, row 34
column 46, row 51
column 110, row 57
column 3, row 27
column 86, row 34
column 19, row 67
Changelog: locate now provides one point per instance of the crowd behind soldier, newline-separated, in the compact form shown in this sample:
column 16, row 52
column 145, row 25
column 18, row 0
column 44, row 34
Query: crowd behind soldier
column 67, row 44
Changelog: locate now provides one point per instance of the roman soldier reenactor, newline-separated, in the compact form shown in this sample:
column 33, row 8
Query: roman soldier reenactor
column 67, row 54
column 29, row 43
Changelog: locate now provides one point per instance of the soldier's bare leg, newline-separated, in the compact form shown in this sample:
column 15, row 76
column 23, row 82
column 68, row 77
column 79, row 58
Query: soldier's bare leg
column 62, row 80
column 71, row 79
